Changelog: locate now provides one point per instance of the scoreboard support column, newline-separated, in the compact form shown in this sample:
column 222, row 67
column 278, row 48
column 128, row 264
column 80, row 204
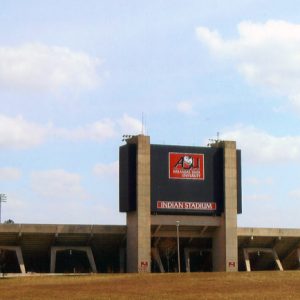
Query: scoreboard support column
column 138, row 221
column 225, row 247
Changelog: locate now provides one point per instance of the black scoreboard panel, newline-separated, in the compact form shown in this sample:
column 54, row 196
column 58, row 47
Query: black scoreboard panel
column 196, row 188
column 184, row 180
column 127, row 178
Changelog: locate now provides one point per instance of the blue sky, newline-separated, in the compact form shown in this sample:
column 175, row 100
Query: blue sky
column 76, row 75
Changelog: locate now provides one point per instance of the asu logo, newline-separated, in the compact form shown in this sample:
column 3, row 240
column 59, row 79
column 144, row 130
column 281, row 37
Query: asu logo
column 186, row 166
column 186, row 162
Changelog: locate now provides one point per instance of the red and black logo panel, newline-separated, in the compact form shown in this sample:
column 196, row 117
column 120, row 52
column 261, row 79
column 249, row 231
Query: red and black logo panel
column 186, row 166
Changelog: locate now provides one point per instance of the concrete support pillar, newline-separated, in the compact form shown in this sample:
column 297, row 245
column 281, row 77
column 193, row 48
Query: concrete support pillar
column 91, row 259
column 187, row 259
column 19, row 255
column 122, row 260
column 20, row 260
column 138, row 222
column 225, row 246
column 156, row 257
column 277, row 260
column 247, row 260
column 53, row 260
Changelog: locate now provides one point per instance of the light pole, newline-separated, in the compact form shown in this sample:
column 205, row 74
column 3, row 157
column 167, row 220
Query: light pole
column 178, row 248
column 2, row 199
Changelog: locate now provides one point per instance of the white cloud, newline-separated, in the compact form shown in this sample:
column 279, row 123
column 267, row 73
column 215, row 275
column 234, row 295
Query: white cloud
column 260, row 147
column 110, row 169
column 101, row 130
column 266, row 54
column 97, row 131
column 17, row 133
column 42, row 67
column 57, row 184
column 295, row 194
column 9, row 173
column 130, row 125
column 185, row 107
column 58, row 210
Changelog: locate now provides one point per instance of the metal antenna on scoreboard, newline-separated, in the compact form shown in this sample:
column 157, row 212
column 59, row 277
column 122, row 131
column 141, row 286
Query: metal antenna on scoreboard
column 213, row 141
column 2, row 199
column 144, row 128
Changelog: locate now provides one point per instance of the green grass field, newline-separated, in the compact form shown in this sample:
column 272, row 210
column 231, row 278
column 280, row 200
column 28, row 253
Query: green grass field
column 256, row 285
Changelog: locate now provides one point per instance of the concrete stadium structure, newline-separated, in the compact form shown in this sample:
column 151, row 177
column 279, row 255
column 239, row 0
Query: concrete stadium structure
column 153, row 240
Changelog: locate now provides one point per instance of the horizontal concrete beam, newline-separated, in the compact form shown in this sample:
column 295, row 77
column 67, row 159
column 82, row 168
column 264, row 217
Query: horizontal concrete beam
column 155, row 220
column 182, row 234
column 268, row 232
column 62, row 229
column 186, row 220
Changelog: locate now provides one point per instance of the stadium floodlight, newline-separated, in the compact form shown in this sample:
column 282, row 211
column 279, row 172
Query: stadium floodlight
column 126, row 137
column 178, row 248
column 2, row 199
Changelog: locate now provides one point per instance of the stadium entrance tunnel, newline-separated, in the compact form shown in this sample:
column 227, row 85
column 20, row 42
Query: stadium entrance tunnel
column 195, row 255
column 9, row 261
column 261, row 259
column 72, row 260
column 198, row 260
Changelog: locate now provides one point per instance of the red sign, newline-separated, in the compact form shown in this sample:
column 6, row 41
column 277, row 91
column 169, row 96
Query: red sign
column 231, row 264
column 187, row 205
column 186, row 166
column 144, row 266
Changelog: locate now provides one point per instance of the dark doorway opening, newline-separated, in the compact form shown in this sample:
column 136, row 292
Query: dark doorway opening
column 9, row 262
column 200, row 261
column 262, row 261
column 72, row 261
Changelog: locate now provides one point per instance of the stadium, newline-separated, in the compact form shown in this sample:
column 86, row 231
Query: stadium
column 181, row 205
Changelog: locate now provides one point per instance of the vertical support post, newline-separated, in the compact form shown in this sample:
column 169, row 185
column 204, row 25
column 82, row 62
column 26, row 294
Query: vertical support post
column 187, row 259
column 178, row 246
column 2, row 199
column 122, row 260
column 138, row 222
column 52, row 260
column 20, row 260
column 91, row 259
column 156, row 257
column 247, row 260
column 277, row 260
column 225, row 247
